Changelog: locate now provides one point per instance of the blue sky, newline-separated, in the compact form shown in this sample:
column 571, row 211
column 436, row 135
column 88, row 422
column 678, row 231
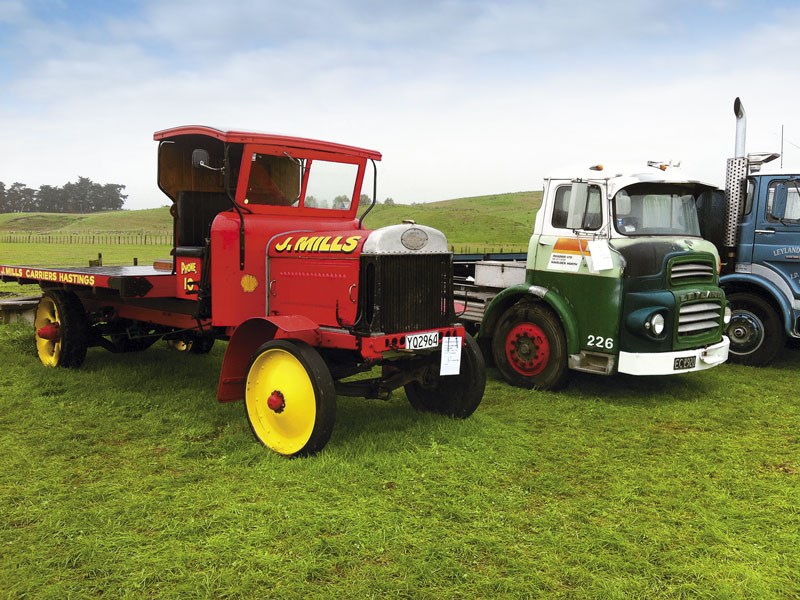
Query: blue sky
column 462, row 97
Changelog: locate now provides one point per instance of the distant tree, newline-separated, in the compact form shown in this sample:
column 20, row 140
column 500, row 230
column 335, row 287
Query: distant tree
column 80, row 197
column 364, row 200
column 389, row 202
column 20, row 198
column 341, row 202
column 311, row 202
column 48, row 199
column 85, row 196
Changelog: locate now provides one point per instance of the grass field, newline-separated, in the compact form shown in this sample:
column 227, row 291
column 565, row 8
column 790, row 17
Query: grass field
column 127, row 479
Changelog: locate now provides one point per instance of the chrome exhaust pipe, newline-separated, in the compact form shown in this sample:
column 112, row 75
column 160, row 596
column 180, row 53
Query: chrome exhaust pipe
column 741, row 128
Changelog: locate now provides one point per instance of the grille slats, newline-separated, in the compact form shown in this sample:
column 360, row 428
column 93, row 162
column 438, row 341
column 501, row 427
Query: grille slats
column 405, row 292
column 694, row 272
column 698, row 317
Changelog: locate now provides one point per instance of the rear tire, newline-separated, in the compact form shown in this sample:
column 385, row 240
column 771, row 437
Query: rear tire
column 452, row 395
column 290, row 398
column 755, row 331
column 530, row 349
column 61, row 321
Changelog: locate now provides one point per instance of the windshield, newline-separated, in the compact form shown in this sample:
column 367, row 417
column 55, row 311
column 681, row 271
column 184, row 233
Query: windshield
column 656, row 209
column 278, row 181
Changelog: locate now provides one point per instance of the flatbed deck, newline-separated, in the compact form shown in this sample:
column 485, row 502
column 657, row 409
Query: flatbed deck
column 128, row 281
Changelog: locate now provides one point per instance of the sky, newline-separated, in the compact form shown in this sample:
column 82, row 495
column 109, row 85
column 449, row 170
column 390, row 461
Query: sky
column 462, row 97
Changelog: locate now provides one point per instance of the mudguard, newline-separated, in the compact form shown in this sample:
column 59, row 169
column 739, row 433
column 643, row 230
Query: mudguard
column 747, row 282
column 511, row 295
column 248, row 337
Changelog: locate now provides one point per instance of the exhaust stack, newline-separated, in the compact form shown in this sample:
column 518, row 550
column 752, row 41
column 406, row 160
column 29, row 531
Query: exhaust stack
column 735, row 185
column 741, row 128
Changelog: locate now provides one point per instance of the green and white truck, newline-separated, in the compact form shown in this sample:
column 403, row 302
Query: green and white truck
column 617, row 279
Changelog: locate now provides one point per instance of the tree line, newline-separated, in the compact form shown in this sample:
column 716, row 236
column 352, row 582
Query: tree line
column 82, row 196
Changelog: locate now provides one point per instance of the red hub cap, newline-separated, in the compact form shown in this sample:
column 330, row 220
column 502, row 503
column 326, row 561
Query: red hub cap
column 49, row 332
column 527, row 349
column 276, row 401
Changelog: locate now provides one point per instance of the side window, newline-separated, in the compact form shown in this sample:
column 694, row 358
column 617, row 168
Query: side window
column 792, row 201
column 592, row 217
column 748, row 199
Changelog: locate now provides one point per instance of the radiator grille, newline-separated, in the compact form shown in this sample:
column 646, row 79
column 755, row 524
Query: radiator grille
column 693, row 272
column 403, row 292
column 699, row 317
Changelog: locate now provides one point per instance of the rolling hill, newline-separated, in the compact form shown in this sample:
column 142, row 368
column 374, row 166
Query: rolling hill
column 501, row 219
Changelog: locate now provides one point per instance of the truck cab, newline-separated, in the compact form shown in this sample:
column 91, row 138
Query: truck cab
column 617, row 278
column 759, row 242
column 763, row 282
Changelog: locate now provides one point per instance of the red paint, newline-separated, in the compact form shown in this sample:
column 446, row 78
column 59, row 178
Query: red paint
column 527, row 349
column 276, row 402
column 50, row 332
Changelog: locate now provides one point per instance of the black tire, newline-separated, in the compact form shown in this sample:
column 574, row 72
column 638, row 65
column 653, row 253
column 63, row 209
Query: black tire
column 64, row 311
column 201, row 344
column 755, row 330
column 530, row 349
column 452, row 395
column 296, row 374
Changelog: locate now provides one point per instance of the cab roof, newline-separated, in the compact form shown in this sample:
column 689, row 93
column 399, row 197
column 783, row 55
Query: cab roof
column 234, row 136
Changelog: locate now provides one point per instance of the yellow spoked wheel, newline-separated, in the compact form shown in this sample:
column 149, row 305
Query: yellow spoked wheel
column 60, row 330
column 290, row 398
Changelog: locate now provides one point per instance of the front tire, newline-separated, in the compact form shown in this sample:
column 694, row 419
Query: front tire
column 755, row 331
column 61, row 330
column 452, row 395
column 290, row 398
column 530, row 349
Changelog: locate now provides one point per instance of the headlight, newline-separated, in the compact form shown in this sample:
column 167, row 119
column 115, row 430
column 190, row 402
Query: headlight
column 655, row 324
column 726, row 316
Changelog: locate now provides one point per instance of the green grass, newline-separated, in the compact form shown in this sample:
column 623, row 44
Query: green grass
column 126, row 478
column 154, row 220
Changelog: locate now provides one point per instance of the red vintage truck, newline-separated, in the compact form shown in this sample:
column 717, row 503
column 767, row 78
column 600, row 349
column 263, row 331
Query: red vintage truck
column 270, row 255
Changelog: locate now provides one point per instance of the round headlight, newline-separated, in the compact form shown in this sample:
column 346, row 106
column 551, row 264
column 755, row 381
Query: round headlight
column 726, row 316
column 656, row 324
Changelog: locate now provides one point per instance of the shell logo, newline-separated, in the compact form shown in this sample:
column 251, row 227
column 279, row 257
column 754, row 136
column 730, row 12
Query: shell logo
column 249, row 283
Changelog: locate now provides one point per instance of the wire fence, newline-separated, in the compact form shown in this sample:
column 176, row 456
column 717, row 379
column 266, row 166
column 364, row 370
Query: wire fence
column 100, row 239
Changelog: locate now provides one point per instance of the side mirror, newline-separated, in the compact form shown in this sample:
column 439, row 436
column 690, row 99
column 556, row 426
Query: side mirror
column 779, row 200
column 578, row 198
column 200, row 158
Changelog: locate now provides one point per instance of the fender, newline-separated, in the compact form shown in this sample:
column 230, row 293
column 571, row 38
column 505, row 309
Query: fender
column 511, row 295
column 748, row 283
column 248, row 337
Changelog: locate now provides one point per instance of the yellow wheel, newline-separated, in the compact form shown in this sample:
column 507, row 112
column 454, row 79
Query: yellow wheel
column 290, row 398
column 61, row 331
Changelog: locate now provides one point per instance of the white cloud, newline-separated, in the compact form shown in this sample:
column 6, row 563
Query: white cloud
column 462, row 98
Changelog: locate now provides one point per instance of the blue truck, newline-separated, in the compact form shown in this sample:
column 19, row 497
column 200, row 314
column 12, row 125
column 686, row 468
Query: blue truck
column 759, row 245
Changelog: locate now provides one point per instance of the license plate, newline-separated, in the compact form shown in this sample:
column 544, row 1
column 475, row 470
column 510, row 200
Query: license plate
column 421, row 341
column 687, row 362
